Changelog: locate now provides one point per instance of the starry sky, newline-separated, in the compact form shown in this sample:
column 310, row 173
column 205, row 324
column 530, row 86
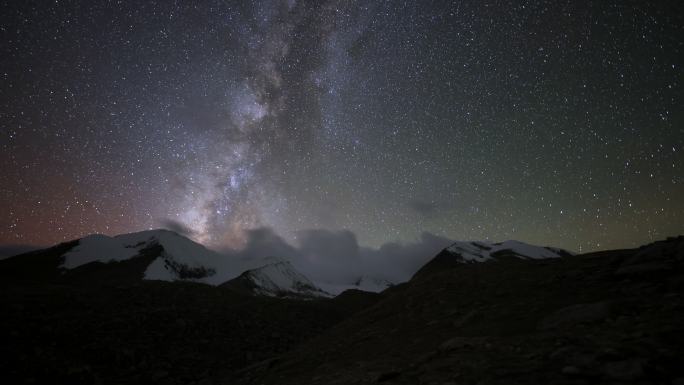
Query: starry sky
column 552, row 122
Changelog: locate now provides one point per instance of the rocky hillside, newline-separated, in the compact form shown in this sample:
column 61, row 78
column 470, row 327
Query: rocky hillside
column 612, row 317
column 150, row 332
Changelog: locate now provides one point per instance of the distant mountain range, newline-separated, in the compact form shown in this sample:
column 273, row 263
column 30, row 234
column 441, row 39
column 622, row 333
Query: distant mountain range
column 159, row 255
column 155, row 307
column 164, row 255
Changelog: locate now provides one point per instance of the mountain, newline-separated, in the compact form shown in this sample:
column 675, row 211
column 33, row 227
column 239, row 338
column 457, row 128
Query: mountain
column 177, row 257
column 372, row 284
column 527, row 317
column 611, row 317
column 277, row 279
column 167, row 256
column 7, row 251
column 159, row 255
column 153, row 255
column 482, row 251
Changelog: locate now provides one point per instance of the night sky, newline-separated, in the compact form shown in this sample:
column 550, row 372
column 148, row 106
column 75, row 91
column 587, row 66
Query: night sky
column 552, row 122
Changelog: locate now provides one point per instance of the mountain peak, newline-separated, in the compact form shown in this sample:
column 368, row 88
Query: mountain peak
column 178, row 256
column 480, row 251
column 278, row 278
column 466, row 252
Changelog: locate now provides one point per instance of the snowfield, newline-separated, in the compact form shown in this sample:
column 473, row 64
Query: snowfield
column 480, row 251
column 281, row 277
column 177, row 251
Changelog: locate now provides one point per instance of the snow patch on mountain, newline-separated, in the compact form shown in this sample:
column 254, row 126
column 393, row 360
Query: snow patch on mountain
column 98, row 248
column 373, row 284
column 481, row 251
column 364, row 283
column 180, row 258
column 280, row 278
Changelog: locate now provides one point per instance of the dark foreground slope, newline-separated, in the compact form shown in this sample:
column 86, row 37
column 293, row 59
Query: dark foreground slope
column 614, row 317
column 148, row 332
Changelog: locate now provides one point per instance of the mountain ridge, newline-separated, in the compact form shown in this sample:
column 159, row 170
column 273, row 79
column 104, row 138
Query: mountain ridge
column 277, row 279
column 466, row 252
column 161, row 255
column 169, row 256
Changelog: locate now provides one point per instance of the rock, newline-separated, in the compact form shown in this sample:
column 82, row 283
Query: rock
column 627, row 370
column 78, row 369
column 642, row 268
column 571, row 371
column 562, row 353
column 577, row 314
column 167, row 381
column 465, row 319
column 388, row 376
column 456, row 343
column 160, row 374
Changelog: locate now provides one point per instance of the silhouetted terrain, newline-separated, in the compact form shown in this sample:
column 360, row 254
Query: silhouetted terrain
column 610, row 317
column 149, row 332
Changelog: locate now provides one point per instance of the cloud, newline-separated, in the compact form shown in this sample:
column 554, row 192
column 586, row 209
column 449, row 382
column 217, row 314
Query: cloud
column 423, row 207
column 178, row 227
column 263, row 242
column 336, row 257
column 400, row 260
column 331, row 245
column 330, row 255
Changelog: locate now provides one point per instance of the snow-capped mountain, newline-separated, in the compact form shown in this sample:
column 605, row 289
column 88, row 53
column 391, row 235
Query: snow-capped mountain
column 162, row 255
column 457, row 253
column 167, row 256
column 482, row 251
column 177, row 257
column 468, row 252
column 372, row 284
column 277, row 279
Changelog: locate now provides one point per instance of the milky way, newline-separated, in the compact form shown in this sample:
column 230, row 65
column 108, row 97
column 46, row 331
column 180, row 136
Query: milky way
column 550, row 122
